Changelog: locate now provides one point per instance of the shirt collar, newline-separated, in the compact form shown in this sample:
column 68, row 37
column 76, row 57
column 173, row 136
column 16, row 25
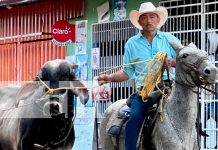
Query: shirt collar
column 139, row 35
column 159, row 34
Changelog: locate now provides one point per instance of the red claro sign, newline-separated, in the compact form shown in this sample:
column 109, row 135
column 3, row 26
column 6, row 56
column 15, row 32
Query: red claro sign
column 63, row 33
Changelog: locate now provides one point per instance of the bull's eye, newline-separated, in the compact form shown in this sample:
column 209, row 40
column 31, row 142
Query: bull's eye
column 185, row 55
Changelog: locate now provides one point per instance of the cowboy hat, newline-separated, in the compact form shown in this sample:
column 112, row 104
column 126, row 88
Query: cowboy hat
column 148, row 8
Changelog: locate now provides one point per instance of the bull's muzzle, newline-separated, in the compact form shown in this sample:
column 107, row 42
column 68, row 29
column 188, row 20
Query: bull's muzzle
column 52, row 108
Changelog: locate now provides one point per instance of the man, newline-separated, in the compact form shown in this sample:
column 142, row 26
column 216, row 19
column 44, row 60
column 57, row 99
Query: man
column 140, row 47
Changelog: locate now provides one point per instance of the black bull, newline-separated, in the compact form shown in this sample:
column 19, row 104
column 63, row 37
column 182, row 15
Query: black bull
column 30, row 118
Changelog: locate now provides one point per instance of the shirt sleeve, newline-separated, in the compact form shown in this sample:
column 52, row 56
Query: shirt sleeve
column 128, row 69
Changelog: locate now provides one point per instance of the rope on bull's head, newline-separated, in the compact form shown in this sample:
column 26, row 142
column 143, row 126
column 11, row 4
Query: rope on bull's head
column 51, row 91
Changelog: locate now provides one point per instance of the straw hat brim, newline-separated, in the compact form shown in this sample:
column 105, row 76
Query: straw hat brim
column 160, row 11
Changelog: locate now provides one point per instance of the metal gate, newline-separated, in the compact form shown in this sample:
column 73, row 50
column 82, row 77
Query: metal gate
column 196, row 21
column 111, row 37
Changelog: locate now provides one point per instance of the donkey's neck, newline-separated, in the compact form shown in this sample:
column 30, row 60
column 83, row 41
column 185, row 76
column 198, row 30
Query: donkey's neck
column 182, row 109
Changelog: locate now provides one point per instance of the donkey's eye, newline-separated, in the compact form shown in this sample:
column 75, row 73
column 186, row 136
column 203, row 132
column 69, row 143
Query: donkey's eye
column 185, row 55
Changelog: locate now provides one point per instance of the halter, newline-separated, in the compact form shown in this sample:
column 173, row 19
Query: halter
column 194, row 67
column 41, row 101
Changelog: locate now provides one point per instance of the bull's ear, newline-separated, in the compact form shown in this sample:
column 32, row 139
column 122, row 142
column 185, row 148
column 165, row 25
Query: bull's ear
column 74, row 66
column 175, row 46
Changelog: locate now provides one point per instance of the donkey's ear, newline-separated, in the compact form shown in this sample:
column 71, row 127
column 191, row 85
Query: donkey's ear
column 192, row 45
column 175, row 46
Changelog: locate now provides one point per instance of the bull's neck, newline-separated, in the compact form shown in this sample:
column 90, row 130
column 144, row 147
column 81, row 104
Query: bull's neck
column 182, row 109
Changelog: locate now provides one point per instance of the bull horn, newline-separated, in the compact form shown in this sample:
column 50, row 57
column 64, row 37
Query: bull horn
column 175, row 46
column 39, row 75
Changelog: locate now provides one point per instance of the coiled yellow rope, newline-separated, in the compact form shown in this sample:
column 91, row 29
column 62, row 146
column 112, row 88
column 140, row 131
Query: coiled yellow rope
column 154, row 73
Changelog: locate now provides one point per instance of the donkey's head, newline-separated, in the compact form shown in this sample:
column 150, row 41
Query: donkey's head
column 193, row 68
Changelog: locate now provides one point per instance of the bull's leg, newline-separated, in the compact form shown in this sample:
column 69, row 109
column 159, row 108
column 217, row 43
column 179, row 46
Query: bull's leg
column 30, row 130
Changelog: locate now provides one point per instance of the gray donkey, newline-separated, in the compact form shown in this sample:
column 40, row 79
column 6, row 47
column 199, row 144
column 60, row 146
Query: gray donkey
column 177, row 131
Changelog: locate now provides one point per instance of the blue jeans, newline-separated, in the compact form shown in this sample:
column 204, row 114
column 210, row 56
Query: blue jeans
column 133, row 125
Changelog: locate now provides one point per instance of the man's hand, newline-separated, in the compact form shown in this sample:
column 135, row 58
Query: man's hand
column 169, row 62
column 118, row 76
column 103, row 78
